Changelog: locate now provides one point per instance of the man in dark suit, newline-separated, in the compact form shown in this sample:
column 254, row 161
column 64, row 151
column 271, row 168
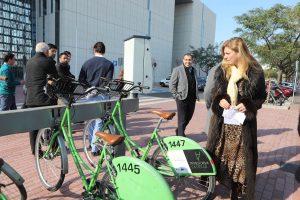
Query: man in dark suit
column 183, row 86
column 37, row 69
column 91, row 72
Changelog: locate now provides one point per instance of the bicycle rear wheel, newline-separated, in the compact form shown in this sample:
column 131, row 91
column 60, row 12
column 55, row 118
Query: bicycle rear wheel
column 11, row 183
column 87, row 142
column 51, row 166
column 184, row 187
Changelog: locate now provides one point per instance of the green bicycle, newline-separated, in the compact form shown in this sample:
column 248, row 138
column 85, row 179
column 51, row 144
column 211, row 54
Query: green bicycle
column 11, row 183
column 186, row 165
column 126, row 178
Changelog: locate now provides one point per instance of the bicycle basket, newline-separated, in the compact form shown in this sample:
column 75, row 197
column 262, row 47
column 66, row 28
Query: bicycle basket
column 64, row 86
column 118, row 85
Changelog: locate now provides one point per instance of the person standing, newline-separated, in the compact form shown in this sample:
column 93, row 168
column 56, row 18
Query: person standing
column 96, row 67
column 52, row 52
column 183, row 86
column 91, row 72
column 8, row 86
column 69, row 56
column 37, row 70
column 239, row 84
column 207, row 95
column 63, row 67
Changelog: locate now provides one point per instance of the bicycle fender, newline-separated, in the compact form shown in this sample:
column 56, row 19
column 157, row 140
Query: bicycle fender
column 3, row 197
column 192, row 155
column 179, row 142
column 11, row 173
column 63, row 154
column 136, row 179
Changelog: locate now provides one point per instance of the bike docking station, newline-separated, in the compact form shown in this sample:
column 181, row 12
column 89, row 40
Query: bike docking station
column 137, row 63
column 24, row 120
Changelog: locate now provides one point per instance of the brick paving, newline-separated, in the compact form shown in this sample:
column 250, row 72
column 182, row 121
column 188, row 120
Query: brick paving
column 278, row 145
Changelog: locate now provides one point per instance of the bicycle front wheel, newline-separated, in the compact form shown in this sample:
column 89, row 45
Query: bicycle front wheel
column 92, row 153
column 51, row 162
column 183, row 187
column 11, row 184
column 107, row 188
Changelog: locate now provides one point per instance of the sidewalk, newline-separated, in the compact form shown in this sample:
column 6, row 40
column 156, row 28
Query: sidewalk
column 278, row 145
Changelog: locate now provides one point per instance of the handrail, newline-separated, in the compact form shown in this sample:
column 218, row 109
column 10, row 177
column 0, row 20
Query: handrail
column 24, row 120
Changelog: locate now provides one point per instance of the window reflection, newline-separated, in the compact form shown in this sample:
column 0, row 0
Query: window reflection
column 15, row 28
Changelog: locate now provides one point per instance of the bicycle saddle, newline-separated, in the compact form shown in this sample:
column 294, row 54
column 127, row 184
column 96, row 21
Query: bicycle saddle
column 112, row 140
column 165, row 115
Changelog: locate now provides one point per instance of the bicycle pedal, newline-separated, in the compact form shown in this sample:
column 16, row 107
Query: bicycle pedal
column 148, row 160
column 87, row 196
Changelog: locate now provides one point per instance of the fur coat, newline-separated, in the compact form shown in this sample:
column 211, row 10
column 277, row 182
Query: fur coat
column 252, row 94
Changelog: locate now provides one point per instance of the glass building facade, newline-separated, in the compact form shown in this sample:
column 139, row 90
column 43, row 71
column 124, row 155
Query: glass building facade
column 17, row 30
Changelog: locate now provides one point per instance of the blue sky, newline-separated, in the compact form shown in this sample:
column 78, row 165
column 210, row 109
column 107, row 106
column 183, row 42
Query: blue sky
column 225, row 11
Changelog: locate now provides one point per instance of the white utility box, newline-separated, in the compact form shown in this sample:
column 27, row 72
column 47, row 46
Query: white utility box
column 137, row 61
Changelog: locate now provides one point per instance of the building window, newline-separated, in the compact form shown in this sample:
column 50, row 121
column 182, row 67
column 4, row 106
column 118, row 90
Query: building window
column 16, row 34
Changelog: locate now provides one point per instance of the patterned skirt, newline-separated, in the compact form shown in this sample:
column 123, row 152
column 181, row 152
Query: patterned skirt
column 230, row 159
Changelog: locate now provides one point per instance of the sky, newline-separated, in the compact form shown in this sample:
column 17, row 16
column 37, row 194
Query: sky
column 225, row 11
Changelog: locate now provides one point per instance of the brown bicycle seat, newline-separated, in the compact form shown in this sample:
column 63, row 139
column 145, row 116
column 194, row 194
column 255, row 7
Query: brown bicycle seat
column 165, row 115
column 112, row 140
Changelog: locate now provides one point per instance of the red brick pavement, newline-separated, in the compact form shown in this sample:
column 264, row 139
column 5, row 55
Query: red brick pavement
column 278, row 144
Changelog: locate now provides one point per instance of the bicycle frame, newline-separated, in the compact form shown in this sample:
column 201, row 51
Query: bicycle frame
column 164, row 144
column 66, row 130
column 2, row 197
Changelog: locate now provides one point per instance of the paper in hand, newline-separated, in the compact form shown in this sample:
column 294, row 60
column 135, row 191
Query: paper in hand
column 233, row 116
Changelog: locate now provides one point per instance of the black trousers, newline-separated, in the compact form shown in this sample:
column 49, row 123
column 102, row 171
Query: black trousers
column 32, row 139
column 32, row 134
column 185, row 111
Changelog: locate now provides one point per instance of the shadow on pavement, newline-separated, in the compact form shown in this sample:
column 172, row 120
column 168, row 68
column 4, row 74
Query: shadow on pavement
column 276, row 131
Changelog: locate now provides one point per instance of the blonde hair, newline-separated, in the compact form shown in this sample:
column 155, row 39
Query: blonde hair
column 238, row 45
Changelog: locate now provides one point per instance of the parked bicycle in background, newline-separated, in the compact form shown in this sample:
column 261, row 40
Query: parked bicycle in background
column 11, row 183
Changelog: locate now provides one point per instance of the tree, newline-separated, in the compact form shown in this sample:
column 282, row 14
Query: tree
column 206, row 58
column 273, row 35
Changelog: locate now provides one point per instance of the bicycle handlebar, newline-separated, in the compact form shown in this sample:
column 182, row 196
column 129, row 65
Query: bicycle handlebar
column 68, row 86
column 122, row 86
column 91, row 89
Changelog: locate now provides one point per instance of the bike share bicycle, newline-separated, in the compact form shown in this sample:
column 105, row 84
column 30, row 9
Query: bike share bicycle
column 11, row 183
column 126, row 178
column 186, row 165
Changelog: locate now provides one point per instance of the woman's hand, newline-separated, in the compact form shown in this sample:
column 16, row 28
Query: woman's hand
column 241, row 107
column 224, row 104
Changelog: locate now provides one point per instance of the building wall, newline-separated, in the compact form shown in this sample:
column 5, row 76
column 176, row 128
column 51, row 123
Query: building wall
column 209, row 21
column 161, row 32
column 45, row 22
column 182, row 31
column 194, row 26
column 82, row 23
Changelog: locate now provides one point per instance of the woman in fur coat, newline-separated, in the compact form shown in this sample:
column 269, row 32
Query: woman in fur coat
column 240, row 84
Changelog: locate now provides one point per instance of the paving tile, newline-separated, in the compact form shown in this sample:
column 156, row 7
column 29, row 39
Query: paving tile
column 278, row 141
